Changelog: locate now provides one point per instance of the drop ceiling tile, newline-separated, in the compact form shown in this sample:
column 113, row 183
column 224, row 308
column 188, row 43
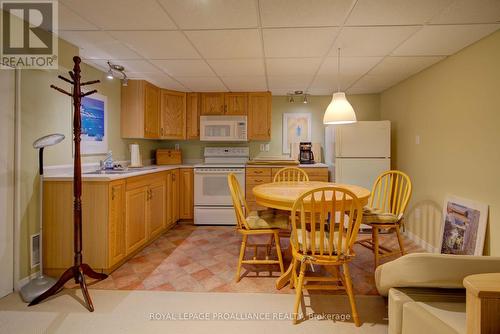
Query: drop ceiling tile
column 403, row 67
column 348, row 65
column 289, row 82
column 214, row 14
column 469, row 11
column 371, row 41
column 157, row 44
column 300, row 13
column 202, row 84
column 245, row 83
column 443, row 39
column 395, row 12
column 371, row 84
column 227, row 43
column 131, row 66
column 98, row 45
column 161, row 80
column 185, row 68
column 292, row 66
column 298, row 42
column 69, row 20
column 238, row 67
column 320, row 91
column 330, row 82
column 122, row 14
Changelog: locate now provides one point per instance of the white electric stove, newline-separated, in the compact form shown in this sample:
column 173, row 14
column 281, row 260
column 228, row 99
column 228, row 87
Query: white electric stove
column 212, row 200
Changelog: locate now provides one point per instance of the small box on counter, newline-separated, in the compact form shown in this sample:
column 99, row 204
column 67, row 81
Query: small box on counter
column 168, row 157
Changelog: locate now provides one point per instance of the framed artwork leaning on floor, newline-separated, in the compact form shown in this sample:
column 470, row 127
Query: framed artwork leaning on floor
column 464, row 226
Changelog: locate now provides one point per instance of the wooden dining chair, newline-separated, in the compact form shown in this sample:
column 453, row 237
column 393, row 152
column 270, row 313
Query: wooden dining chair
column 325, row 224
column 385, row 211
column 291, row 174
column 255, row 223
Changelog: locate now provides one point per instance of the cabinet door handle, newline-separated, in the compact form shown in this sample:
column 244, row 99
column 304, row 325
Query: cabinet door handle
column 225, row 109
column 161, row 131
column 258, row 172
column 268, row 132
column 113, row 193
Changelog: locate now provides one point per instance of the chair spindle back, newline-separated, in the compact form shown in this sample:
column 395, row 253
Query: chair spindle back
column 291, row 174
column 391, row 192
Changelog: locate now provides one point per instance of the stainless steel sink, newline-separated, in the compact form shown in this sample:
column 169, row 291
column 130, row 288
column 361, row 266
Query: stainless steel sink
column 119, row 171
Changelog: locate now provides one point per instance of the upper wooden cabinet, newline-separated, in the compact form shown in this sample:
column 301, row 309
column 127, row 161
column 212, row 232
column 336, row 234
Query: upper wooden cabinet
column 236, row 103
column 153, row 113
column 140, row 110
column 192, row 116
column 173, row 115
column 212, row 103
column 224, row 103
column 259, row 116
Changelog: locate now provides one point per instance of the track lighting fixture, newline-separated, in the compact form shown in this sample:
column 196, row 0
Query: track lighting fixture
column 115, row 71
column 295, row 94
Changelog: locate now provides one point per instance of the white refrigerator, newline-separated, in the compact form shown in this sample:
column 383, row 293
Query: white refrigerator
column 357, row 153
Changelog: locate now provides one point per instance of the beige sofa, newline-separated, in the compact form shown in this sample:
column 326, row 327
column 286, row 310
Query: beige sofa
column 426, row 293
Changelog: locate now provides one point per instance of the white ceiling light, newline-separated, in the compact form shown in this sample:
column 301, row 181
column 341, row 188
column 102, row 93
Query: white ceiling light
column 116, row 70
column 339, row 111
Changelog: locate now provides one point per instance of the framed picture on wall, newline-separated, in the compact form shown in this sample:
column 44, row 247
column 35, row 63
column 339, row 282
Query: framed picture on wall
column 296, row 128
column 94, row 114
column 464, row 226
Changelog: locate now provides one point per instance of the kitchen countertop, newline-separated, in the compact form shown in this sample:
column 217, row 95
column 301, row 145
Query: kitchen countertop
column 67, row 175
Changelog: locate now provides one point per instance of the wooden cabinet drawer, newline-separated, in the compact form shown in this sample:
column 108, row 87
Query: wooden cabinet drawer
column 258, row 171
column 256, row 180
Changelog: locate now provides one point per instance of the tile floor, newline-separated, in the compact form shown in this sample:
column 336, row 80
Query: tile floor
column 201, row 259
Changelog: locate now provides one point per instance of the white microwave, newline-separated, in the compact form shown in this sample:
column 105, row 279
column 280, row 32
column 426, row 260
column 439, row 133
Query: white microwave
column 223, row 128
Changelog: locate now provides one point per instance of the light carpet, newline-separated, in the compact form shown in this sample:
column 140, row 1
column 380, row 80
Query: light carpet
column 131, row 312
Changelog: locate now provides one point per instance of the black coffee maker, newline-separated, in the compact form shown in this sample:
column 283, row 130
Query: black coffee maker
column 306, row 155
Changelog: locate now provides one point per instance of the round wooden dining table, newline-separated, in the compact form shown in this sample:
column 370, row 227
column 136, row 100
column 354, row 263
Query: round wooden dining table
column 282, row 195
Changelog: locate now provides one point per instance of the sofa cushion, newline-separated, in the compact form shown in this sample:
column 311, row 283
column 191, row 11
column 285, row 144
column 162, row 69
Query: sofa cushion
column 434, row 318
column 399, row 297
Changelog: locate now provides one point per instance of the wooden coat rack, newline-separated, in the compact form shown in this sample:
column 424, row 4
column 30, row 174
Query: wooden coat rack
column 79, row 269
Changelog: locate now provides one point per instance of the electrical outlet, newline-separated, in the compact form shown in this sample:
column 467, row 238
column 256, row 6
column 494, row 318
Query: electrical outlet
column 417, row 139
column 267, row 147
column 176, row 147
column 262, row 148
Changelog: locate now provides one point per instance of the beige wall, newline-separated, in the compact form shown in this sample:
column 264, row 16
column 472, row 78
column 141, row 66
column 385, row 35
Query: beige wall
column 367, row 109
column 454, row 106
column 44, row 111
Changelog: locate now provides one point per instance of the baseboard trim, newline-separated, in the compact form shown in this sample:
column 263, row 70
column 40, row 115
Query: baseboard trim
column 419, row 241
column 22, row 282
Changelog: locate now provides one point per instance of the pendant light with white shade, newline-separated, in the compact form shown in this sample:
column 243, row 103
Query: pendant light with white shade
column 339, row 111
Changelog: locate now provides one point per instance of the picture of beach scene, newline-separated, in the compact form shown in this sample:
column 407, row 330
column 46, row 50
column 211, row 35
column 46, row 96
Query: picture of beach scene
column 92, row 113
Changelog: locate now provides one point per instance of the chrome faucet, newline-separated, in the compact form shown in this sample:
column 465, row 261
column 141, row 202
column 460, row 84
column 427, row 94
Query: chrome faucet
column 107, row 162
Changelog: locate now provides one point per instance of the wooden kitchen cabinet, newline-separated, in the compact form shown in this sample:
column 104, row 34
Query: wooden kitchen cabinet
column 140, row 110
column 259, row 116
column 175, row 195
column 212, row 104
column 119, row 219
column 157, row 207
column 173, row 114
column 116, row 221
column 136, row 217
column 186, row 189
column 192, row 116
column 236, row 103
column 172, row 197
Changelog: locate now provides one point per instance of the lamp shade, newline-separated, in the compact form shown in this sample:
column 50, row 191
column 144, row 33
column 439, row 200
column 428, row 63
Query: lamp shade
column 339, row 111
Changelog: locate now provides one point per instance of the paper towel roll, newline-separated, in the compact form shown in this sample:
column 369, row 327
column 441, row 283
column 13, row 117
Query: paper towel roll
column 135, row 156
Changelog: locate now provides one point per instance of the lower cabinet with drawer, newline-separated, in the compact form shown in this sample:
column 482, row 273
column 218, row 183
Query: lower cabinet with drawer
column 260, row 175
column 119, row 218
